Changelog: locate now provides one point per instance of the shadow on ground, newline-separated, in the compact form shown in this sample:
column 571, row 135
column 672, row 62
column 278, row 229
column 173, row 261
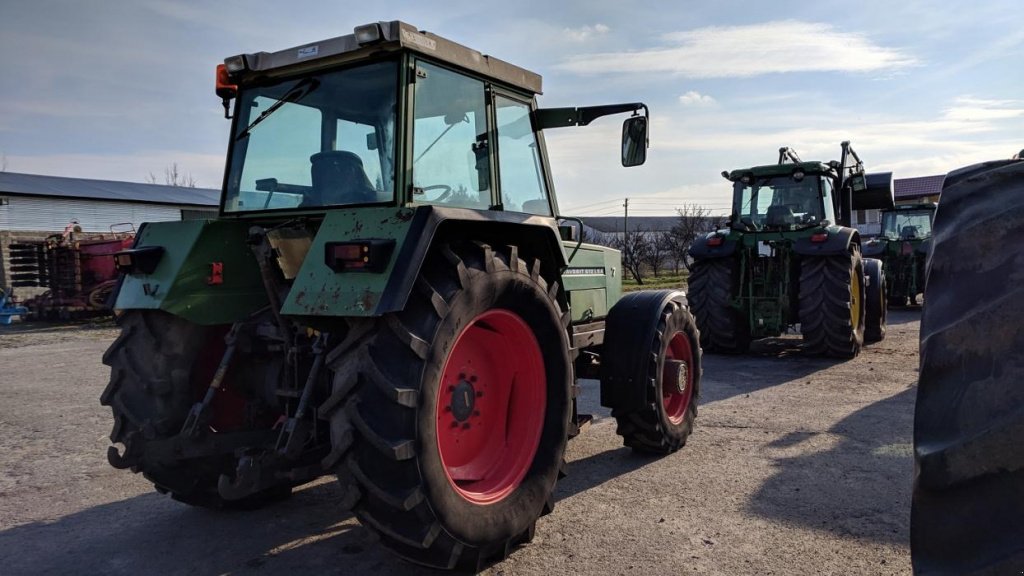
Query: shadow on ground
column 151, row 534
column 859, row 487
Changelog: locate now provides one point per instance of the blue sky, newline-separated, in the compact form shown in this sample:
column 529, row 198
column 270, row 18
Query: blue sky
column 122, row 89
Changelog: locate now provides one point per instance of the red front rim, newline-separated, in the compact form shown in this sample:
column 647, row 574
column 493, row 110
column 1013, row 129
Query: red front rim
column 677, row 384
column 490, row 407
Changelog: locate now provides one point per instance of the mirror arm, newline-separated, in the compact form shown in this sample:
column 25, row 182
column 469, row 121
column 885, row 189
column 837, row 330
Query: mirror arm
column 562, row 117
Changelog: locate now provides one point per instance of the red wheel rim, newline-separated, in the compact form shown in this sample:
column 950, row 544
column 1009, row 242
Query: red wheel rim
column 677, row 378
column 490, row 407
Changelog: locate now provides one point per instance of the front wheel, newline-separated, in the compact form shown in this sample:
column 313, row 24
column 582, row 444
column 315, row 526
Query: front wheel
column 450, row 418
column 651, row 371
column 875, row 315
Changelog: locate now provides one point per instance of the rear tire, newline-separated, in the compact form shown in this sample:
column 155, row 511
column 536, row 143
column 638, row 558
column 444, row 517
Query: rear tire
column 875, row 315
column 711, row 286
column 967, row 515
column 832, row 307
column 420, row 394
column 150, row 392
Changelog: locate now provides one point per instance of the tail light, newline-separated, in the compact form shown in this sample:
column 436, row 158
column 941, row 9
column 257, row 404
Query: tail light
column 715, row 241
column 138, row 260
column 358, row 256
column 819, row 237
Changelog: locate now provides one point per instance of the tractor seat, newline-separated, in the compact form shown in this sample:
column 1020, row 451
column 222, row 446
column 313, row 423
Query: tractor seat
column 908, row 232
column 780, row 216
column 338, row 178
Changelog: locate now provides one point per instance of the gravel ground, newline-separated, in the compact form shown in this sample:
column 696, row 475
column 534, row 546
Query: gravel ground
column 798, row 465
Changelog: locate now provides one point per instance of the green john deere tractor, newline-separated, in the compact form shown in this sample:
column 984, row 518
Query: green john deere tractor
column 387, row 296
column 789, row 256
column 903, row 246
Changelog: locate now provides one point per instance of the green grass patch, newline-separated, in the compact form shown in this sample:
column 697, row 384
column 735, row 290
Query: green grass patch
column 665, row 280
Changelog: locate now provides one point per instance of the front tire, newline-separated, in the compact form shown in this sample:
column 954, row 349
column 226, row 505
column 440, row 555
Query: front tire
column 875, row 315
column 832, row 307
column 449, row 419
column 668, row 369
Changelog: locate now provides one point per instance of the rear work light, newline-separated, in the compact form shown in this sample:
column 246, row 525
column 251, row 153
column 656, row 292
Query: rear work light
column 359, row 255
column 818, row 237
column 138, row 260
column 716, row 241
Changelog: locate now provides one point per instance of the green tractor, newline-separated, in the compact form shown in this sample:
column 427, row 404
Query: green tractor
column 387, row 296
column 789, row 256
column 903, row 246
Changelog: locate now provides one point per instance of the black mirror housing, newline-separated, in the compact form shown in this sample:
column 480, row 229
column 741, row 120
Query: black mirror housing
column 634, row 141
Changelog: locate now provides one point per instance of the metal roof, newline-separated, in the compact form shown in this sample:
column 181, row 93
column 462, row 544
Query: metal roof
column 919, row 187
column 12, row 183
column 613, row 224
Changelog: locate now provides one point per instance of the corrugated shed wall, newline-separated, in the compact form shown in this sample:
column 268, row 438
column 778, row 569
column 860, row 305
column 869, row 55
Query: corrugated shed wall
column 18, row 213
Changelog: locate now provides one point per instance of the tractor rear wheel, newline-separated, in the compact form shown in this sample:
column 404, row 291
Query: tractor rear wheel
column 710, row 289
column 832, row 306
column 666, row 361
column 967, row 515
column 875, row 315
column 449, row 419
column 153, row 382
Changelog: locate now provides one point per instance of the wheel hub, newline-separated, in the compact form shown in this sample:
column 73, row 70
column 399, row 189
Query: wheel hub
column 463, row 399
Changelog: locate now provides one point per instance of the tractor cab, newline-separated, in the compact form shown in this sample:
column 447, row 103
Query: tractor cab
column 781, row 198
column 914, row 223
column 392, row 116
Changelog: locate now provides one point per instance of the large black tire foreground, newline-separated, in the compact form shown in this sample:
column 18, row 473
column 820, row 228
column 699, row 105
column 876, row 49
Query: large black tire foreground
column 710, row 288
column 424, row 401
column 662, row 355
column 875, row 315
column 832, row 307
column 150, row 392
column 968, row 503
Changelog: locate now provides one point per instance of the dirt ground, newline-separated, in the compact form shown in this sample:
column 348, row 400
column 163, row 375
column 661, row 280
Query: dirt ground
column 798, row 465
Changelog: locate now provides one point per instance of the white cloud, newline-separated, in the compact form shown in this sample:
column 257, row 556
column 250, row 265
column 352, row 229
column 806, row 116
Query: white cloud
column 978, row 110
column 584, row 33
column 751, row 50
column 694, row 98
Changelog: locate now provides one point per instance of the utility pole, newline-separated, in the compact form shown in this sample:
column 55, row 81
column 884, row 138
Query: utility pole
column 625, row 220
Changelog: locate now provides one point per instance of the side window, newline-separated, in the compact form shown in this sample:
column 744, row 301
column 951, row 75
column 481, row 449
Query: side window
column 522, row 182
column 826, row 199
column 450, row 162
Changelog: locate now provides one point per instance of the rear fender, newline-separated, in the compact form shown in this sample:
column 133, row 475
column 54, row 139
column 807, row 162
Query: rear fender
column 837, row 243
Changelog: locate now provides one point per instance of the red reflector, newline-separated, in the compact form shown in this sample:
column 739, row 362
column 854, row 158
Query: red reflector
column 907, row 249
column 716, row 241
column 819, row 236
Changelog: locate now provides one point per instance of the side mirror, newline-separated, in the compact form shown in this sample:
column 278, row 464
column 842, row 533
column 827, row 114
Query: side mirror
column 634, row 141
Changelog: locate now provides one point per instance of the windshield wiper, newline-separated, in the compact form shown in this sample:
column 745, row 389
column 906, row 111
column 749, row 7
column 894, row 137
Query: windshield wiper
column 301, row 89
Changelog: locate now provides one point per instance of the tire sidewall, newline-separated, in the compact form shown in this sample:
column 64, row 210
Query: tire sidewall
column 477, row 524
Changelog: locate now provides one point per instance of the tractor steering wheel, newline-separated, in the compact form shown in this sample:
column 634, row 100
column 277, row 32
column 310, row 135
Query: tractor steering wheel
column 444, row 195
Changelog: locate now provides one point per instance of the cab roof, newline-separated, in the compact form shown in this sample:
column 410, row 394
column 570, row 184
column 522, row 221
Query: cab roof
column 370, row 40
column 782, row 170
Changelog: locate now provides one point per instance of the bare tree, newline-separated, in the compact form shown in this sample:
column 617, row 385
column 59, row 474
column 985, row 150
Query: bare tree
column 173, row 177
column 635, row 246
column 694, row 220
column 657, row 253
column 3, row 162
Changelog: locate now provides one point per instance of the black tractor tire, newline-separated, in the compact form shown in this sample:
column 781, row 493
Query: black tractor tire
column 831, row 290
column 635, row 352
column 711, row 286
column 391, row 421
column 968, row 505
column 150, row 393
column 875, row 315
